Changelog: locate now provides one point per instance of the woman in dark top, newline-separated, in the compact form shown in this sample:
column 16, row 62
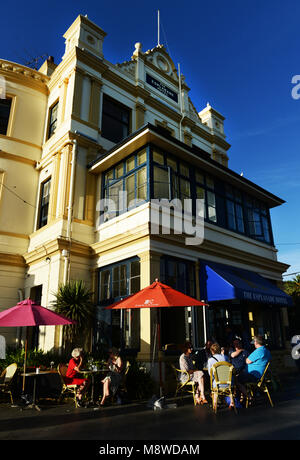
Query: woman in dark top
column 238, row 356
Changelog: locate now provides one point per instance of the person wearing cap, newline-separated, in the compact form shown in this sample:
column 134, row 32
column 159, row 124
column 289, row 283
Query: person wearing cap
column 255, row 363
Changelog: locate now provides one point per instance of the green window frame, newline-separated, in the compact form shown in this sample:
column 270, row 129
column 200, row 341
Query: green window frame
column 205, row 190
column 130, row 176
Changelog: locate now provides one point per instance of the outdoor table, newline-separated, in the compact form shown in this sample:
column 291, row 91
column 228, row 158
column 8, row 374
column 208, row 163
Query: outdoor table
column 92, row 373
column 35, row 375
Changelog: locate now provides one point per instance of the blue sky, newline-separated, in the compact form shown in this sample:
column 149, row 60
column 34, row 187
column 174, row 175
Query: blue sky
column 240, row 56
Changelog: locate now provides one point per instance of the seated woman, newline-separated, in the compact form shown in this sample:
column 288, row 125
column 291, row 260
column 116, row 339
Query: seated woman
column 238, row 356
column 217, row 357
column 114, row 377
column 186, row 364
column 73, row 374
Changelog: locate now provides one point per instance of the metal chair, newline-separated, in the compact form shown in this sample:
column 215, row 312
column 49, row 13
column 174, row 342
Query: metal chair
column 184, row 386
column 66, row 389
column 221, row 375
column 262, row 385
column 6, row 379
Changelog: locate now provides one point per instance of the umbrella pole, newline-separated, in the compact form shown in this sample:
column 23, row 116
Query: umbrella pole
column 25, row 359
column 204, row 324
column 159, row 353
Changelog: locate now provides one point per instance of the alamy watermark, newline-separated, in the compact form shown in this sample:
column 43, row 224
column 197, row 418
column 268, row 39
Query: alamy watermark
column 296, row 89
column 296, row 348
column 166, row 216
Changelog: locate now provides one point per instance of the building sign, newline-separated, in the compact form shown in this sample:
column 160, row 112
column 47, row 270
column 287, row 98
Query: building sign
column 264, row 298
column 161, row 87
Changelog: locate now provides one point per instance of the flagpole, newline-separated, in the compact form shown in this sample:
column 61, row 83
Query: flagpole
column 158, row 27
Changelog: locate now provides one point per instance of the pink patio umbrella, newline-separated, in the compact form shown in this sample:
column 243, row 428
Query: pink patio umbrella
column 29, row 313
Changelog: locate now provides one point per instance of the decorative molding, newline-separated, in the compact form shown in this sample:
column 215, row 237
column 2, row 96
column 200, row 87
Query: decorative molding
column 18, row 158
column 24, row 75
column 20, row 141
column 14, row 235
column 50, row 248
column 226, row 252
column 15, row 260
column 123, row 240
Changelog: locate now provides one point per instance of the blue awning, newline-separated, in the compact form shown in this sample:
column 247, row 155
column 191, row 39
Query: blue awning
column 223, row 282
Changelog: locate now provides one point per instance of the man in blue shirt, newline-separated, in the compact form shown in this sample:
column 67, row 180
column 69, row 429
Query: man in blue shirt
column 258, row 360
column 255, row 364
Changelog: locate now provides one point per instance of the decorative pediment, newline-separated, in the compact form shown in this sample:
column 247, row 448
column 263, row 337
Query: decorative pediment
column 160, row 59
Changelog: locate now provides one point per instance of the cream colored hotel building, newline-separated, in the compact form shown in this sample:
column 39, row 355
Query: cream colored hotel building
column 85, row 129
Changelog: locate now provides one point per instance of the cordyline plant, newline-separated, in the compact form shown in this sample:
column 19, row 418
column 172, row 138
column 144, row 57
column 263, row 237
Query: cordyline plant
column 74, row 301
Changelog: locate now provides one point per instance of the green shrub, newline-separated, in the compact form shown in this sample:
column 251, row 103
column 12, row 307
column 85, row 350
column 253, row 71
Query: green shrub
column 35, row 358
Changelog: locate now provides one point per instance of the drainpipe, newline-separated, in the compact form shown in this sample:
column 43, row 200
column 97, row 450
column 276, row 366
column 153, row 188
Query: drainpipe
column 66, row 253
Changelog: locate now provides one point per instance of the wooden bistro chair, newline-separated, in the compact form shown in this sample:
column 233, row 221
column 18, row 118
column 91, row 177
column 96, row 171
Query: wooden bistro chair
column 6, row 379
column 221, row 375
column 262, row 386
column 184, row 387
column 66, row 389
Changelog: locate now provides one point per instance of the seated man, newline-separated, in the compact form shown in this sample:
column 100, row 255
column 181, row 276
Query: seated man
column 255, row 363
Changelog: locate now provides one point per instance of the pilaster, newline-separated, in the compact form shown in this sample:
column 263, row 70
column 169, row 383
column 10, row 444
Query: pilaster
column 150, row 270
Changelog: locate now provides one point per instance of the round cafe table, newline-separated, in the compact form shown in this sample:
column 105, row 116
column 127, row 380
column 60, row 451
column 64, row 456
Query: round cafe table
column 92, row 373
column 35, row 376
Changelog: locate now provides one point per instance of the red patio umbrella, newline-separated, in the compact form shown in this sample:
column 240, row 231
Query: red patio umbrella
column 29, row 313
column 157, row 295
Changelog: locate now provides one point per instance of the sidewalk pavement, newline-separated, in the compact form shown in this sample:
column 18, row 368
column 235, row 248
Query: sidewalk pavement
column 136, row 421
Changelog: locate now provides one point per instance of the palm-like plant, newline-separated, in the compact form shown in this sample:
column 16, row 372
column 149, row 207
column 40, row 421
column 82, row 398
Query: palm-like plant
column 292, row 287
column 74, row 301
